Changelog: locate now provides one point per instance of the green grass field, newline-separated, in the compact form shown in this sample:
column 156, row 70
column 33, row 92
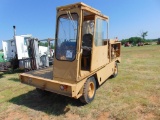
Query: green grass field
column 133, row 95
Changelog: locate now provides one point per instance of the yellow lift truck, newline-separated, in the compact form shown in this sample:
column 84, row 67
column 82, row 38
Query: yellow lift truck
column 84, row 56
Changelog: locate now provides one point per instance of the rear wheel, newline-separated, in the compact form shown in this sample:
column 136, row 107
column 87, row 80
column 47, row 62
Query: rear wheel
column 89, row 91
column 115, row 70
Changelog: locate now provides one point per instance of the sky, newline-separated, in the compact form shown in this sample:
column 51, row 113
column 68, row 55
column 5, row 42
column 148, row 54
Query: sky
column 127, row 18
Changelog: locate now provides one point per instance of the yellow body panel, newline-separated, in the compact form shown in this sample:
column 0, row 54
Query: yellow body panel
column 71, row 74
column 99, row 57
column 74, row 89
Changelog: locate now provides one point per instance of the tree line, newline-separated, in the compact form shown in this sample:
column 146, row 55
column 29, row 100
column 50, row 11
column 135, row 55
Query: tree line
column 136, row 40
column 45, row 44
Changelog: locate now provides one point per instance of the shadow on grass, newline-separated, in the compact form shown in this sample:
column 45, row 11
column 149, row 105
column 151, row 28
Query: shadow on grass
column 11, row 71
column 108, row 79
column 51, row 104
column 1, row 74
column 14, row 79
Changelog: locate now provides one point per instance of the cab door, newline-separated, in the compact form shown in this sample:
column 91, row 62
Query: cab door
column 100, row 45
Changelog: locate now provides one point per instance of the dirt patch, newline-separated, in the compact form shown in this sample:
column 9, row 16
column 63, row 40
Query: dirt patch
column 139, row 110
column 15, row 115
column 1, row 97
column 43, row 117
column 103, row 116
column 72, row 116
column 149, row 116
column 142, row 115
column 154, row 99
column 18, row 115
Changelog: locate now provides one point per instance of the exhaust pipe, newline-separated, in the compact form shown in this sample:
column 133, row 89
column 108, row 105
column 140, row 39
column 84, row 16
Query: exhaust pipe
column 14, row 38
column 14, row 30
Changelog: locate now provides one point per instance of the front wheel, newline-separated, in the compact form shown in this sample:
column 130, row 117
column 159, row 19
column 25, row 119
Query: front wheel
column 89, row 91
column 115, row 70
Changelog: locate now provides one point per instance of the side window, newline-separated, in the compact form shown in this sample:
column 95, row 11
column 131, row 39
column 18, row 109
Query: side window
column 88, row 27
column 100, row 32
column 25, row 41
column 12, row 43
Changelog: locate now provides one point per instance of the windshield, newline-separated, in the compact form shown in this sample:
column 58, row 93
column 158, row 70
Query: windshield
column 67, row 36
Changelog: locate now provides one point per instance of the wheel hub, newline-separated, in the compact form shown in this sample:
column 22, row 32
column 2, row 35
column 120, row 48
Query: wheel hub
column 91, row 90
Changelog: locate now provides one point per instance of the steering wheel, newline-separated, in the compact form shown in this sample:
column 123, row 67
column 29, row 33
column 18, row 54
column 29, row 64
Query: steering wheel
column 86, row 48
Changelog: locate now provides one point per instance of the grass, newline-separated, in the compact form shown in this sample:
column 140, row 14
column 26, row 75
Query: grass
column 133, row 94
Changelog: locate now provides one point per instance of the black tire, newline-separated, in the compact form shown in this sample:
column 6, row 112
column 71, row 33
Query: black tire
column 42, row 92
column 89, row 91
column 115, row 70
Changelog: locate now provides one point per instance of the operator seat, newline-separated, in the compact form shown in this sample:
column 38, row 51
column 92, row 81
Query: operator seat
column 86, row 46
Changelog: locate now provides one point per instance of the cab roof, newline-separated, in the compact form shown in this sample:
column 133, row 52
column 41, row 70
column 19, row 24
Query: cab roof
column 83, row 6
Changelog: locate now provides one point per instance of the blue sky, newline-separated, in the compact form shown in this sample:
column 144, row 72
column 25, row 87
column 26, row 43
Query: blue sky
column 128, row 18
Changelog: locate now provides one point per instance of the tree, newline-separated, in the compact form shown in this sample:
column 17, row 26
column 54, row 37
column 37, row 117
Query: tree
column 132, row 40
column 135, row 40
column 43, row 44
column 144, row 34
column 123, row 41
column 46, row 44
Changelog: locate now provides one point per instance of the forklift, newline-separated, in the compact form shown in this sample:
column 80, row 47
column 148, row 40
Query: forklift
column 84, row 56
